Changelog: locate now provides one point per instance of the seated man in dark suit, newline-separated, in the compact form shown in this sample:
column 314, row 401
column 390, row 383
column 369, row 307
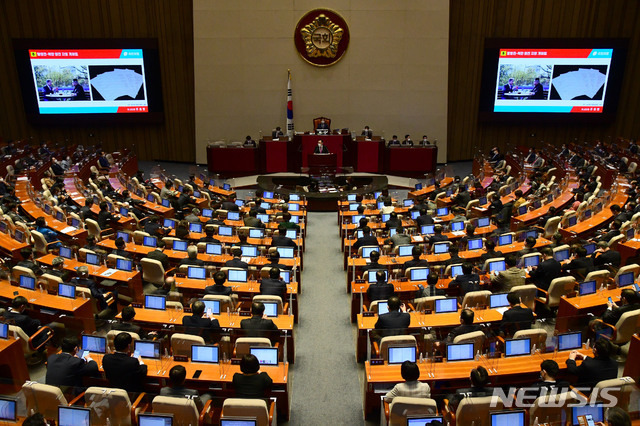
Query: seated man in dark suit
column 579, row 262
column 323, row 125
column 395, row 320
column 159, row 255
column 198, row 322
column 604, row 256
column 547, row 270
column 629, row 301
column 277, row 133
column 28, row 261
column 508, row 88
column 537, row 92
column 236, row 262
column 68, row 369
column 258, row 322
column 466, row 325
column 593, row 370
column 192, row 257
column 230, row 204
column 280, row 239
column 367, row 132
column 424, row 218
column 252, row 220
column 549, row 370
column 467, row 281
column 614, row 230
column 366, row 240
column 219, row 288
column 374, row 258
column 176, row 388
column 516, row 317
column 105, row 218
column 381, row 289
column 274, row 286
column 437, row 236
column 249, row 143
column 120, row 248
column 209, row 238
column 415, row 262
column 394, row 141
column 107, row 301
column 168, row 286
column 394, row 222
column 153, row 227
column 274, row 259
column 126, row 323
column 121, row 369
column 529, row 247
column 16, row 312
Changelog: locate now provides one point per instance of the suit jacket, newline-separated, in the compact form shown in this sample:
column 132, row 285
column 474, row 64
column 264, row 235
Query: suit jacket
column 192, row 262
column 466, row 283
column 505, row 280
column 367, row 133
column 125, row 326
column 507, row 89
column 198, row 325
column 322, row 126
column 593, row 370
column 272, row 287
column 124, row 372
column 324, row 150
column 182, row 392
column 584, row 264
column 516, row 318
column 24, row 321
column 367, row 240
column 380, row 291
column 546, row 272
column 612, row 316
column 436, row 238
column 236, row 263
column 462, row 198
column 537, row 92
column 105, row 218
column 221, row 290
column 462, row 329
column 159, row 256
column 415, row 264
column 490, row 255
column 610, row 257
column 64, row 369
column 424, row 220
column 256, row 324
column 393, row 320
column 253, row 222
column 282, row 241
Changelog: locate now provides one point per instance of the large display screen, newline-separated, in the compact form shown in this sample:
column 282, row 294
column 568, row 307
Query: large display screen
column 97, row 80
column 551, row 78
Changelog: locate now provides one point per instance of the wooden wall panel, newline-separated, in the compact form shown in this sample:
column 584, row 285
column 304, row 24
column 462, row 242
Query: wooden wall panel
column 471, row 21
column 170, row 21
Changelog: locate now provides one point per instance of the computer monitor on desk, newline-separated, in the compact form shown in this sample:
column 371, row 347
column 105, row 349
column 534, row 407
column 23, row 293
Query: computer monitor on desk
column 446, row 305
column 570, row 341
column 238, row 421
column 424, row 420
column 211, row 307
column 73, row 416
column 508, row 418
column 8, row 408
column 460, row 352
column 498, row 300
column 517, row 347
column 371, row 275
column 419, row 274
column 498, row 265
column 266, row 356
column 146, row 419
column 400, row 354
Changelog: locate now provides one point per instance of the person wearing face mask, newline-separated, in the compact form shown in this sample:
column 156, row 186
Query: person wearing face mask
column 425, row 141
column 321, row 149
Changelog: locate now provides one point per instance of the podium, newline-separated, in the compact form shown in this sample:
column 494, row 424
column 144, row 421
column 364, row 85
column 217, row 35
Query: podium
column 322, row 163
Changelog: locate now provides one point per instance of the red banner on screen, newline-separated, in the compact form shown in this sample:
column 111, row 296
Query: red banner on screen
column 76, row 54
column 132, row 109
column 545, row 53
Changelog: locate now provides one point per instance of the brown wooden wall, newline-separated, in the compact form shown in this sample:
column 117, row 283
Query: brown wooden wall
column 170, row 21
column 471, row 21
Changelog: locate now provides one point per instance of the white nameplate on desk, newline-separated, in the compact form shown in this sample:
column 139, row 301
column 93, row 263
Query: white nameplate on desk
column 108, row 272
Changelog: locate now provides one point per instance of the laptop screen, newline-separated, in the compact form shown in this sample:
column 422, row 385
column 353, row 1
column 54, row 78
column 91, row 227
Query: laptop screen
column 508, row 418
column 265, row 206
column 66, row 252
column 626, row 279
column 415, row 214
column 204, row 353
column 271, row 309
column 418, row 186
column 400, row 354
column 256, row 233
column 505, row 239
column 18, row 235
column 295, row 219
column 596, row 410
column 239, row 203
column 371, row 276
column 169, row 223
column 285, row 276
column 237, row 275
column 155, row 419
column 268, row 195
column 207, row 212
column 517, row 347
column 149, row 242
column 440, row 248
column 457, row 226
column 386, row 217
column 8, row 408
column 237, row 421
column 292, row 233
column 561, row 255
column 195, row 227
column 569, row 341
column 73, row 416
column 531, row 261
column 123, row 235
column 95, row 344
column 354, row 219
column 124, row 265
column 456, row 270
column 4, row 330
column 294, row 197
column 483, row 221
column 419, row 274
column 474, row 244
column 179, row 245
column 442, row 211
column 233, row 215
column 460, row 352
column 263, row 217
column 383, row 307
column 155, row 302
column 147, row 349
column 573, row 220
column 166, row 203
column 67, row 290
column 366, row 251
column 211, row 306
column 214, row 249
column 446, row 305
column 587, row 287
column 93, row 259
column 196, row 273
column 293, row 207
column 498, row 265
column 522, row 210
column 498, row 300
column 422, row 421
column 225, row 231
column 249, row 251
column 286, row 252
column 27, row 282
column 266, row 356
column 352, row 197
column 407, row 202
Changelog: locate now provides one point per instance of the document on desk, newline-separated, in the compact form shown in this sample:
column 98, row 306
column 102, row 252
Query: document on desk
column 502, row 310
column 68, row 229
column 108, row 272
